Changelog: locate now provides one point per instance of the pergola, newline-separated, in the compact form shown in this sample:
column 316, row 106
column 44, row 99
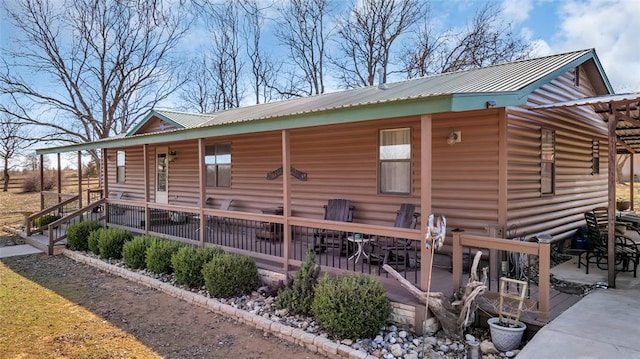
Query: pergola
column 621, row 113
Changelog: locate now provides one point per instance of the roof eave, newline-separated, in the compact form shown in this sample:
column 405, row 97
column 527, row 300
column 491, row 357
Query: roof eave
column 365, row 112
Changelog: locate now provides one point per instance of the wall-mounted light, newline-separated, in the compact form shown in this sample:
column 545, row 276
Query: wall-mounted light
column 454, row 137
column 491, row 104
column 173, row 155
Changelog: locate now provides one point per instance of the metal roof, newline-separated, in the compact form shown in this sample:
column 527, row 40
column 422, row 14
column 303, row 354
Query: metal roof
column 504, row 85
column 625, row 107
column 498, row 79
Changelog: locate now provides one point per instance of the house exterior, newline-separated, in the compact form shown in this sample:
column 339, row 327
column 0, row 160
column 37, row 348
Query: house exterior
column 465, row 145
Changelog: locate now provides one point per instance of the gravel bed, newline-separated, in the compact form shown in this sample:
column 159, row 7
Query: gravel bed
column 391, row 342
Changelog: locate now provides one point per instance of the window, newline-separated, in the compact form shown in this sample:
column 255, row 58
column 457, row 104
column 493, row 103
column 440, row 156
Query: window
column 576, row 76
column 395, row 161
column 120, row 167
column 595, row 157
column 547, row 163
column 217, row 160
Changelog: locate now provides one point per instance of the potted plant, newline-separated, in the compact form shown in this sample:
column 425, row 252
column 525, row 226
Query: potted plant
column 507, row 329
column 622, row 204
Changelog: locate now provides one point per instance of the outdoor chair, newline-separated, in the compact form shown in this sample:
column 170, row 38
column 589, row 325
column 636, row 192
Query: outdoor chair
column 398, row 251
column 214, row 222
column 340, row 210
column 627, row 255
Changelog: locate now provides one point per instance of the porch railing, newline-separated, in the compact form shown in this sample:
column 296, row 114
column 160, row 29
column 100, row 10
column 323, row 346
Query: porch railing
column 57, row 230
column 60, row 210
column 261, row 236
column 534, row 266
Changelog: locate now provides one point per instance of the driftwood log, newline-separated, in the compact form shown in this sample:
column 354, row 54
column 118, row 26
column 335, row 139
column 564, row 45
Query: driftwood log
column 453, row 316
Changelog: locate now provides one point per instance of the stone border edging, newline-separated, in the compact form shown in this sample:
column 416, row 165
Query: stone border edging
column 312, row 342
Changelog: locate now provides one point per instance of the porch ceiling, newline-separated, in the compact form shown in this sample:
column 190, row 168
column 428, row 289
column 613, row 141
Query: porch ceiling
column 626, row 108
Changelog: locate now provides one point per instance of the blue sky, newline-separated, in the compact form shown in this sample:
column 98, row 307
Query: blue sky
column 611, row 27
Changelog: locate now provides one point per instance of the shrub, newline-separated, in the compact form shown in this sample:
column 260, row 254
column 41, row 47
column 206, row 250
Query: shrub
column 92, row 241
column 187, row 264
column 78, row 234
column 111, row 240
column 230, row 275
column 134, row 252
column 352, row 306
column 158, row 256
column 31, row 182
column 298, row 297
column 45, row 220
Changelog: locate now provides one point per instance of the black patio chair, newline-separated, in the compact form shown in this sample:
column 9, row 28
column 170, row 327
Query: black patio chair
column 340, row 210
column 397, row 251
column 627, row 254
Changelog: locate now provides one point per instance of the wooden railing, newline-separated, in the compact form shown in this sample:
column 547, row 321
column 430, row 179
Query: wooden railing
column 540, row 249
column 59, row 209
column 57, row 230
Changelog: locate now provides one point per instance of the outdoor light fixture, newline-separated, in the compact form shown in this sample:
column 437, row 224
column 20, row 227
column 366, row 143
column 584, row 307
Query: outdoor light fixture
column 491, row 104
column 173, row 155
column 454, row 137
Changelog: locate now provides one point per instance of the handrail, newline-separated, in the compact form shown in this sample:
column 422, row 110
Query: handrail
column 66, row 219
column 27, row 221
column 542, row 249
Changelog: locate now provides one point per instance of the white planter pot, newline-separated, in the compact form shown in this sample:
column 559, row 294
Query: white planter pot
column 505, row 338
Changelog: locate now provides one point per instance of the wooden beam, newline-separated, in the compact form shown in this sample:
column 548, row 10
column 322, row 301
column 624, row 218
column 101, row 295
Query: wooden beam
column 612, row 124
column 41, row 182
column 80, row 179
column 147, row 184
column 286, row 197
column 425, row 192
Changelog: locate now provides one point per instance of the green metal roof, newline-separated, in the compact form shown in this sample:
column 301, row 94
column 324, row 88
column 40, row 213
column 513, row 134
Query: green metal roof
column 505, row 85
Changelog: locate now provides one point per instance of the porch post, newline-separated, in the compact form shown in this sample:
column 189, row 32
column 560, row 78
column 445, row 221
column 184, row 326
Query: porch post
column 286, row 198
column 147, row 216
column 202, row 193
column 425, row 194
column 105, row 184
column 631, row 192
column 612, row 198
column 41, row 182
column 59, row 177
column 80, row 179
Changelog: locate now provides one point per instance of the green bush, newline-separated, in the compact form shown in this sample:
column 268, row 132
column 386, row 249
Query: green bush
column 111, row 240
column 230, row 275
column 352, row 306
column 78, row 234
column 45, row 220
column 92, row 241
column 158, row 256
column 187, row 264
column 298, row 298
column 134, row 252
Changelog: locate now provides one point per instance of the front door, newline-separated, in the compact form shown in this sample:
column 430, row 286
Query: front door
column 162, row 170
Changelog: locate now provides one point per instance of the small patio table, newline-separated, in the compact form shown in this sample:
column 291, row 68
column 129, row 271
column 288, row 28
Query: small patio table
column 360, row 241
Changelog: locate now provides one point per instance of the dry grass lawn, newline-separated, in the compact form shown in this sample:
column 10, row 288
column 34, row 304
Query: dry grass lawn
column 11, row 203
column 38, row 323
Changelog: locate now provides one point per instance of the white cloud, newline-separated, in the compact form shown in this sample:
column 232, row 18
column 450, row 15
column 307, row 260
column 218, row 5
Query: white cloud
column 612, row 28
column 516, row 11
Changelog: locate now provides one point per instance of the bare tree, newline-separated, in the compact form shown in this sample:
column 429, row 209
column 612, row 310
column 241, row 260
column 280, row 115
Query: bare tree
column 367, row 35
column 200, row 92
column 264, row 71
column 303, row 31
column 485, row 41
column 99, row 65
column 13, row 138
